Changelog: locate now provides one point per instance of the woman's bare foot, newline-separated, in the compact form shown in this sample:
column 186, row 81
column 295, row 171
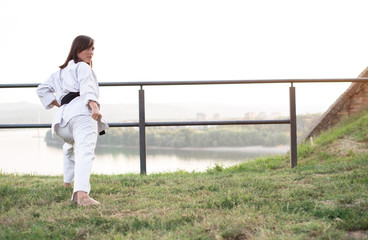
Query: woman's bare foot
column 83, row 199
column 67, row 184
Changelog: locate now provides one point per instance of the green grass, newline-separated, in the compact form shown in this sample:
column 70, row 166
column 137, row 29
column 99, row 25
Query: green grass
column 325, row 197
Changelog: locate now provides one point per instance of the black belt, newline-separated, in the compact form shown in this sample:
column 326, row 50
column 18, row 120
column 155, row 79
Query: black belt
column 69, row 97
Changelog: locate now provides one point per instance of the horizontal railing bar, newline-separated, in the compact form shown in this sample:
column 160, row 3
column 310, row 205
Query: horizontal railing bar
column 39, row 125
column 47, row 125
column 204, row 82
column 209, row 82
column 130, row 124
column 19, row 85
column 203, row 123
column 162, row 124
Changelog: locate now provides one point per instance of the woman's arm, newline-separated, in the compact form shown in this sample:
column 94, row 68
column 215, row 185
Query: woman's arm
column 89, row 89
column 96, row 115
column 45, row 92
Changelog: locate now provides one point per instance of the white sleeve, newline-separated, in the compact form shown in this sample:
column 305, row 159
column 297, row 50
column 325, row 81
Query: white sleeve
column 88, row 84
column 45, row 92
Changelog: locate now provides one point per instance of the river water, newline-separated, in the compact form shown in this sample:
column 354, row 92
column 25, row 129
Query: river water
column 26, row 152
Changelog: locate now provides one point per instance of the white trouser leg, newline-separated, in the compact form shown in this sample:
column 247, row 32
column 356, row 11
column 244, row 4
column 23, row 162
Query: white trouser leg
column 65, row 134
column 69, row 163
column 80, row 137
column 85, row 138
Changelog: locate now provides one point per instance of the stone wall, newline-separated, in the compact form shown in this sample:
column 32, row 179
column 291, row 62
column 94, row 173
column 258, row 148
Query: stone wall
column 352, row 101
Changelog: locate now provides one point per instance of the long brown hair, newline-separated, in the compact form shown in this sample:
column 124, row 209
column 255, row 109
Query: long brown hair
column 80, row 43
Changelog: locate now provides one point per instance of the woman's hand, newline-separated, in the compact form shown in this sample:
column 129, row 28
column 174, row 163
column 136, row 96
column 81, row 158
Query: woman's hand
column 96, row 115
column 55, row 103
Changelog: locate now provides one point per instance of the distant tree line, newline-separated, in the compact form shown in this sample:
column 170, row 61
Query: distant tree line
column 196, row 137
column 221, row 136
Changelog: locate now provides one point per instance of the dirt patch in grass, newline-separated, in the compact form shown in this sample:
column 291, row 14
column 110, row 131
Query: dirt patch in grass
column 357, row 234
column 142, row 213
column 328, row 203
column 345, row 146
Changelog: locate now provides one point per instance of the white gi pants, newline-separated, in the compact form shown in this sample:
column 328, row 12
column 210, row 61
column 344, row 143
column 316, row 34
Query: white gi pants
column 80, row 137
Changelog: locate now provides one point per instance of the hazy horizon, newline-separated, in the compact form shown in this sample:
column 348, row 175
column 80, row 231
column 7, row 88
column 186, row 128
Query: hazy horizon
column 167, row 40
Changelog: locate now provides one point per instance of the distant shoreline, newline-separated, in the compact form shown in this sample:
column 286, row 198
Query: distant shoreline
column 277, row 149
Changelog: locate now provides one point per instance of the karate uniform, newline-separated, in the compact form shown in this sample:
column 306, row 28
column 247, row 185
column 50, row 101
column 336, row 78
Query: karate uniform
column 73, row 122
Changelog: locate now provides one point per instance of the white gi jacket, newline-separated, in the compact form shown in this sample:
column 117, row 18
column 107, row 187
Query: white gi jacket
column 76, row 77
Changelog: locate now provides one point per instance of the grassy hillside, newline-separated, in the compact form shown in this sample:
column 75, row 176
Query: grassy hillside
column 325, row 197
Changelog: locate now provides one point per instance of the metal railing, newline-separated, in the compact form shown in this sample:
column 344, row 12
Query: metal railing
column 142, row 124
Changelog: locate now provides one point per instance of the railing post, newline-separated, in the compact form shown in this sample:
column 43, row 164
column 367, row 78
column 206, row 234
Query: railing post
column 293, row 137
column 142, row 132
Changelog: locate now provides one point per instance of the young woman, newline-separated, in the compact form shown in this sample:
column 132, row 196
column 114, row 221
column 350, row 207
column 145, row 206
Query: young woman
column 74, row 90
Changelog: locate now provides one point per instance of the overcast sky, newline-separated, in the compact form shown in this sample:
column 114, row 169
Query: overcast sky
column 190, row 40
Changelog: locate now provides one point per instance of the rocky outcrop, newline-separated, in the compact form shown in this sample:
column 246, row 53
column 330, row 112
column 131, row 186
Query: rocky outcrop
column 352, row 101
